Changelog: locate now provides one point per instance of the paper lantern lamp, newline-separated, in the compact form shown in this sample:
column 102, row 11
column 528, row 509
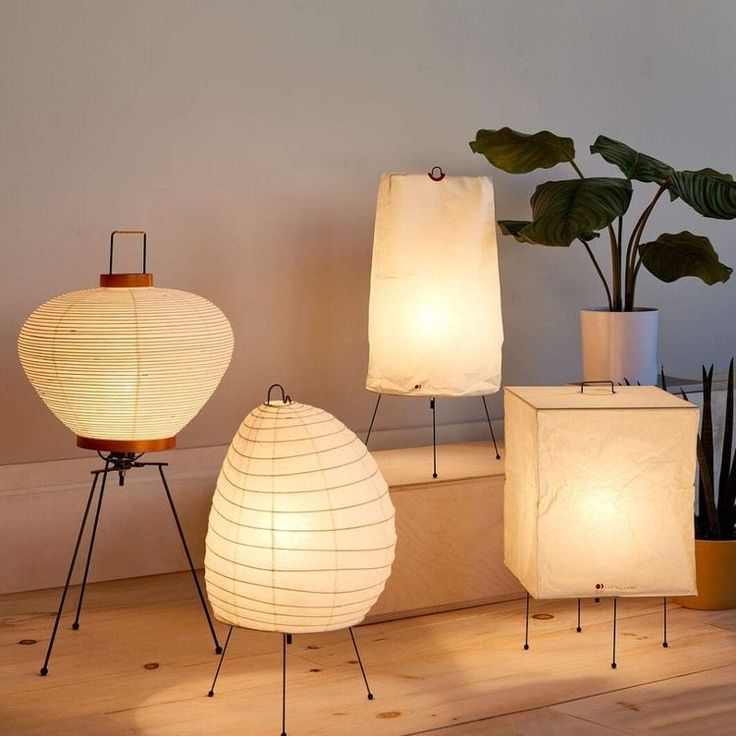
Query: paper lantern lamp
column 301, row 533
column 127, row 365
column 599, row 491
column 434, row 323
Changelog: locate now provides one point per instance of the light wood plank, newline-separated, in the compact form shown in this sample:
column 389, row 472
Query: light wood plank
column 541, row 722
column 701, row 703
column 430, row 672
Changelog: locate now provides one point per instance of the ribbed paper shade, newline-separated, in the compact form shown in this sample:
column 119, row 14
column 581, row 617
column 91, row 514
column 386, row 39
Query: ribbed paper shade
column 301, row 533
column 435, row 324
column 125, row 364
column 599, row 491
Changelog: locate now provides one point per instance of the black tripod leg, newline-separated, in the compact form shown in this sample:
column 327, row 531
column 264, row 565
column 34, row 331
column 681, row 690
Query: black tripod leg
column 526, row 623
column 432, row 403
column 665, row 643
column 219, row 664
column 613, row 654
column 75, row 625
column 360, row 664
column 579, row 626
column 286, row 641
column 44, row 668
column 218, row 648
column 373, row 419
column 490, row 426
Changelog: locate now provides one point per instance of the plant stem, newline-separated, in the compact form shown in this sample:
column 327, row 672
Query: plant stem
column 615, row 302
column 632, row 267
column 599, row 272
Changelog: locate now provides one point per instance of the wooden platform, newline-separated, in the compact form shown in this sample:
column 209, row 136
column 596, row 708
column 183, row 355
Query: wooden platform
column 449, row 553
column 142, row 663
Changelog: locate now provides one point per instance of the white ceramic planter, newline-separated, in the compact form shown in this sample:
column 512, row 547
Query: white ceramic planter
column 620, row 345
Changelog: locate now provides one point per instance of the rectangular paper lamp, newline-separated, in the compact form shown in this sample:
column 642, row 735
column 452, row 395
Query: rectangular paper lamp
column 434, row 323
column 599, row 491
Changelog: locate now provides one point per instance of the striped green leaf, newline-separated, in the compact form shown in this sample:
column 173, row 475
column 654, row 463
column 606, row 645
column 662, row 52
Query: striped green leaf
column 707, row 191
column 566, row 210
column 676, row 255
column 519, row 153
column 633, row 164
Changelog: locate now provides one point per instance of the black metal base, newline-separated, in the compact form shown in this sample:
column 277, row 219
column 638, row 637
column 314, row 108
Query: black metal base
column 120, row 463
column 579, row 627
column 433, row 409
column 286, row 640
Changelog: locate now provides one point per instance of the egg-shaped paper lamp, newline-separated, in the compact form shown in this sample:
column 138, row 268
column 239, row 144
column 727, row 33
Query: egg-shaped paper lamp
column 599, row 491
column 127, row 365
column 434, row 324
column 301, row 532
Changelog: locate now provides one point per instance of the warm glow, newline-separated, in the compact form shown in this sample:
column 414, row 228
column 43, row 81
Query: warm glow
column 125, row 363
column 599, row 491
column 301, row 533
column 435, row 304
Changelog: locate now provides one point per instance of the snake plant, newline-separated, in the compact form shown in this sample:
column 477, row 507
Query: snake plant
column 579, row 209
column 716, row 516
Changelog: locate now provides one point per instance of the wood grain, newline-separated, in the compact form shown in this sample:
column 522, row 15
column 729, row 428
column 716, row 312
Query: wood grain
column 462, row 670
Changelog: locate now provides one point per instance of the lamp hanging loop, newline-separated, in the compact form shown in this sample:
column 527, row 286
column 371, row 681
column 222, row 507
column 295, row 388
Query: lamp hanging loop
column 583, row 384
column 127, row 232
column 285, row 398
column 439, row 176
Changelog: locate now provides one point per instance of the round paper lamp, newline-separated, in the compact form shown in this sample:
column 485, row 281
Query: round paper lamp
column 434, row 323
column 127, row 365
column 301, row 533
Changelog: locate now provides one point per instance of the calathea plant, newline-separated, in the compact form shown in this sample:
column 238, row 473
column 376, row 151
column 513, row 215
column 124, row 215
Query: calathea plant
column 579, row 209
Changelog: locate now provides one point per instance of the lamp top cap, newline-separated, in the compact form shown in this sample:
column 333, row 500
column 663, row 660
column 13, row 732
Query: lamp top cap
column 599, row 396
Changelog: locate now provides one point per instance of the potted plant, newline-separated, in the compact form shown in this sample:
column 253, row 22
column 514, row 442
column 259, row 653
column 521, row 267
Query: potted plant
column 620, row 339
column 715, row 520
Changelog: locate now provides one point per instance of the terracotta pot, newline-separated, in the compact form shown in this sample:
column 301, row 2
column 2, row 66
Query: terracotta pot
column 620, row 345
column 715, row 564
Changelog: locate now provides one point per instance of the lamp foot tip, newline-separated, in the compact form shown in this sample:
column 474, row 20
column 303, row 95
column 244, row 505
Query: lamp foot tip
column 613, row 665
column 665, row 644
column 526, row 646
column 370, row 696
column 218, row 649
column 75, row 625
column 579, row 629
column 211, row 694
column 44, row 671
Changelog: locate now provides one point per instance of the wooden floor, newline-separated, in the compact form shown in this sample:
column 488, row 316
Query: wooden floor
column 142, row 663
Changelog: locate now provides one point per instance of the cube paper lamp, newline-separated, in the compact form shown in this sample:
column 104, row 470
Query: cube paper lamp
column 599, row 491
column 434, row 323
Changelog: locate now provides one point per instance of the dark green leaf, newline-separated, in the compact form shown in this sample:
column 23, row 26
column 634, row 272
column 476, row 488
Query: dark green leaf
column 514, row 228
column 707, row 191
column 566, row 210
column 634, row 165
column 673, row 256
column 519, row 153
column 725, row 499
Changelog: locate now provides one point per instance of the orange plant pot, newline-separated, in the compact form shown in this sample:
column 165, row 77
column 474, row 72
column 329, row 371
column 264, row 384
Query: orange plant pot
column 715, row 563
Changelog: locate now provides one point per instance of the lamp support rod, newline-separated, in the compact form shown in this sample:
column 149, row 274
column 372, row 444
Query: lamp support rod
column 490, row 426
column 613, row 648
column 219, row 664
column 373, row 419
column 118, row 463
column 432, row 406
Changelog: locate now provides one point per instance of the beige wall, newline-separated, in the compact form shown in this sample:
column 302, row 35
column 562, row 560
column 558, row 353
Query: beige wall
column 247, row 138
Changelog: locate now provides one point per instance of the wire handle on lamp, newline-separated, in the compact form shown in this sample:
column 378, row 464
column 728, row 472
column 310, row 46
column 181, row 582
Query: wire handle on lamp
column 436, row 177
column 285, row 398
column 127, row 232
column 583, row 384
